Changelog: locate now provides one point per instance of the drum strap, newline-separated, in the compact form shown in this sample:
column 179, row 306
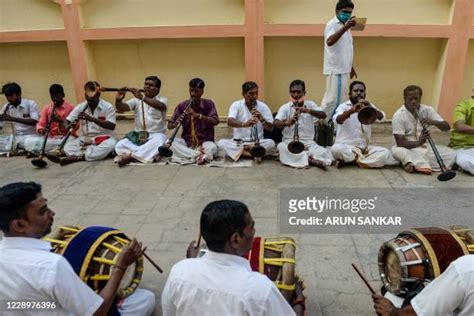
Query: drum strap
column 286, row 287
column 279, row 261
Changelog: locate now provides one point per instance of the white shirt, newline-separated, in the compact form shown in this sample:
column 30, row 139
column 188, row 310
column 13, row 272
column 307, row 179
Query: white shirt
column 26, row 109
column 403, row 122
column 452, row 293
column 338, row 58
column 30, row 272
column 155, row 119
column 305, row 122
column 220, row 284
column 240, row 112
column 352, row 132
column 104, row 111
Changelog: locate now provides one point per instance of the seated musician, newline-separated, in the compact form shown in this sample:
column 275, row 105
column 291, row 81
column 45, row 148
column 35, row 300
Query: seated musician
column 154, row 112
column 198, row 117
column 97, row 121
column 462, row 136
column 352, row 143
column 452, row 293
column 222, row 281
column 302, row 111
column 29, row 271
column 248, row 116
column 55, row 114
column 22, row 113
column 411, row 139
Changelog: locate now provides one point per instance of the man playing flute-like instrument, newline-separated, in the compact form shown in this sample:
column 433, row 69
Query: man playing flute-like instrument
column 150, row 117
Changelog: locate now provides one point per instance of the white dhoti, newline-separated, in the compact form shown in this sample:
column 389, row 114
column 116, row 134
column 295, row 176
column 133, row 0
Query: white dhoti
column 423, row 158
column 144, row 153
column 312, row 151
column 337, row 89
column 141, row 302
column 375, row 157
column 465, row 159
column 91, row 152
column 35, row 143
column 234, row 149
column 185, row 155
column 7, row 141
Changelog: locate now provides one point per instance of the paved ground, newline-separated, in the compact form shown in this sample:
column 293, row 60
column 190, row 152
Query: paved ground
column 160, row 205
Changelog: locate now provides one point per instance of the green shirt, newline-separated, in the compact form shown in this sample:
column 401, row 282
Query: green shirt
column 463, row 112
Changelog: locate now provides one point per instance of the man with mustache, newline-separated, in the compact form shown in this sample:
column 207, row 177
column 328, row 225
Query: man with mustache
column 29, row 271
column 198, row 117
column 150, row 116
column 352, row 143
column 303, row 112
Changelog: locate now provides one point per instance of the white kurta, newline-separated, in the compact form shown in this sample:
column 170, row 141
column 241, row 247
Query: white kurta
column 423, row 158
column 240, row 112
column 155, row 124
column 452, row 293
column 306, row 134
column 220, row 284
column 353, row 141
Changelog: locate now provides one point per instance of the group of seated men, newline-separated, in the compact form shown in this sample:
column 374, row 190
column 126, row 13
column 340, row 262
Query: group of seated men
column 221, row 282
column 249, row 117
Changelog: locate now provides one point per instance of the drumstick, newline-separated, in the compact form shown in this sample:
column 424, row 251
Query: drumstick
column 363, row 278
column 153, row 263
column 198, row 242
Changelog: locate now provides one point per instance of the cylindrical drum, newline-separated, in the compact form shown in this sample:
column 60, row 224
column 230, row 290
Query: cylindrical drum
column 420, row 255
column 93, row 252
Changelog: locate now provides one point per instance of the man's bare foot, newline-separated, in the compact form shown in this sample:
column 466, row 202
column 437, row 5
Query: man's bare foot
column 258, row 160
column 157, row 158
column 409, row 167
column 339, row 163
column 318, row 163
column 124, row 160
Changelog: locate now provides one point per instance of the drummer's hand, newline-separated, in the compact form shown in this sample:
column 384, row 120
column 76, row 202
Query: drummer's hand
column 192, row 251
column 130, row 253
column 298, row 293
column 382, row 306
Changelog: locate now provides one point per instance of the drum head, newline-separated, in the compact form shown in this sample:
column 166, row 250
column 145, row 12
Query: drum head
column 392, row 269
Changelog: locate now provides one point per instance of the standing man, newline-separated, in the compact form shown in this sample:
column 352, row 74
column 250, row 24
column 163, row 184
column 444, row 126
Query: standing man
column 150, row 115
column 198, row 117
column 301, row 111
column 97, row 118
column 22, row 113
column 29, row 271
column 248, row 117
column 353, row 138
column 462, row 136
column 56, row 112
column 222, row 281
column 410, row 138
column 338, row 57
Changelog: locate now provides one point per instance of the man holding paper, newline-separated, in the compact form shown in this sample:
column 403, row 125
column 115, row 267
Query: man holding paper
column 338, row 57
